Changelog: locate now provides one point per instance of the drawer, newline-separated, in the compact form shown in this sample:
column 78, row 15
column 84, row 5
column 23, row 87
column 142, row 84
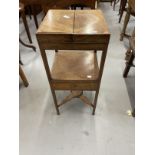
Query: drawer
column 54, row 38
column 104, row 39
column 74, row 85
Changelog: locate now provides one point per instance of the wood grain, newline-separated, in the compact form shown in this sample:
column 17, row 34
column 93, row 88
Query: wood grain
column 58, row 22
column 75, row 65
column 90, row 22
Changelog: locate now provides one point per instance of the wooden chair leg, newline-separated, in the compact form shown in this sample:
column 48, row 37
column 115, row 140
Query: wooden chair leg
column 122, row 8
column 127, row 54
column 29, row 11
column 34, row 16
column 95, row 102
column 55, row 101
column 126, row 71
column 120, row 16
column 127, row 17
column 128, row 65
column 26, row 26
column 23, row 77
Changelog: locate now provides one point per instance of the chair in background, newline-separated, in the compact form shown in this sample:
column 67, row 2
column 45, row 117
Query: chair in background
column 22, row 14
column 115, row 2
column 35, row 9
column 130, row 10
column 67, row 4
column 130, row 55
column 122, row 8
column 45, row 5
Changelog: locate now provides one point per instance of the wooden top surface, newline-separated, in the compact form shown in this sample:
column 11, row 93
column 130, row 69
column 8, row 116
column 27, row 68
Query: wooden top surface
column 90, row 22
column 74, row 22
column 57, row 21
column 75, row 65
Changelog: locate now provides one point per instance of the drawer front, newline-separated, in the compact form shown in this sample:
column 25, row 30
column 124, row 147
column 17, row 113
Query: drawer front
column 54, row 38
column 65, row 38
column 74, row 86
column 104, row 39
column 70, row 42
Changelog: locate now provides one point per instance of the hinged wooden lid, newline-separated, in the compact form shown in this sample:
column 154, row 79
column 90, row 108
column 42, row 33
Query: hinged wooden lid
column 57, row 22
column 73, row 26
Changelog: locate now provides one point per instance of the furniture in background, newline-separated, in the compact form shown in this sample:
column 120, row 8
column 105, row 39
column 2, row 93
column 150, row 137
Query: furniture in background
column 122, row 8
column 129, row 62
column 130, row 55
column 115, row 2
column 28, row 11
column 23, row 77
column 76, row 59
column 56, row 4
column 31, row 8
column 35, row 10
column 22, row 14
column 131, row 8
